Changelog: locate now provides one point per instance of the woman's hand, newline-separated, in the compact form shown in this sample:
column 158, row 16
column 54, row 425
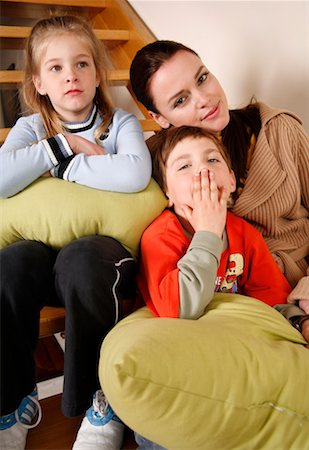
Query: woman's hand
column 304, row 305
column 209, row 204
column 79, row 144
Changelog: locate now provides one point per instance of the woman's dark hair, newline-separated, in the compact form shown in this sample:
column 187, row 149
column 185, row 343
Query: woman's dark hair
column 146, row 63
column 243, row 122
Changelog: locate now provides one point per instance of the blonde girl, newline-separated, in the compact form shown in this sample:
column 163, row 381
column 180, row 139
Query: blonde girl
column 72, row 133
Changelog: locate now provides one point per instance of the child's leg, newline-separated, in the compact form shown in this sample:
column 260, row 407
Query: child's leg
column 92, row 276
column 26, row 284
column 145, row 444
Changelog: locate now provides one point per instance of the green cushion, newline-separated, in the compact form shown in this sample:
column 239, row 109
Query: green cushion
column 55, row 212
column 237, row 378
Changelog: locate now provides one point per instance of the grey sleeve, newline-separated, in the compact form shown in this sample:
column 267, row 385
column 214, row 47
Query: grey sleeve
column 197, row 274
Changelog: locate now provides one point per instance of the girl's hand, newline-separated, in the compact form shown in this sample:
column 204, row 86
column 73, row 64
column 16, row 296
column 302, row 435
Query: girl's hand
column 304, row 305
column 79, row 144
column 209, row 204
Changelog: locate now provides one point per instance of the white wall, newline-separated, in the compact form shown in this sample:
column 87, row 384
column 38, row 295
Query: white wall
column 256, row 48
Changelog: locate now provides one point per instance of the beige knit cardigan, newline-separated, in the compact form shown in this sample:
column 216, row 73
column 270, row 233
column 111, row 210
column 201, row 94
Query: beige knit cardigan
column 275, row 198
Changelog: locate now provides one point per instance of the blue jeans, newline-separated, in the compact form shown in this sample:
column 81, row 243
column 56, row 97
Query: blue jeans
column 145, row 444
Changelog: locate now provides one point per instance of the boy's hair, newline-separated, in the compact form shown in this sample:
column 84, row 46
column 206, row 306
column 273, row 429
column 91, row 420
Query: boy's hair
column 162, row 144
column 37, row 42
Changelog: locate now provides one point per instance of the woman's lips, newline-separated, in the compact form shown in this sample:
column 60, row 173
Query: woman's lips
column 212, row 113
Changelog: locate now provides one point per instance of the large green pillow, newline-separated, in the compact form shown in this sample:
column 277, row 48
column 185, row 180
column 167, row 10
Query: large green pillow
column 55, row 212
column 237, row 378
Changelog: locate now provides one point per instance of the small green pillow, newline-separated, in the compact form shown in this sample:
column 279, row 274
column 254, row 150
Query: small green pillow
column 56, row 212
column 235, row 379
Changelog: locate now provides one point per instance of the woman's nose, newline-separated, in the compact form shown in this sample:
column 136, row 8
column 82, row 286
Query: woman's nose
column 200, row 99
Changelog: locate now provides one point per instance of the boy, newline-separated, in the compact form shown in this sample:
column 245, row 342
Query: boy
column 196, row 246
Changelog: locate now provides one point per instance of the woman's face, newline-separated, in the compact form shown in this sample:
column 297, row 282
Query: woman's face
column 186, row 93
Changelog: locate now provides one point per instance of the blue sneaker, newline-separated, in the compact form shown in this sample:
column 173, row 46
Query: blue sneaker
column 100, row 428
column 14, row 427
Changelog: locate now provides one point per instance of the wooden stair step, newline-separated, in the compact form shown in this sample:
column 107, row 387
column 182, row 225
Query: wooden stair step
column 147, row 125
column 13, row 37
column 16, row 32
column 37, row 9
column 115, row 77
column 101, row 4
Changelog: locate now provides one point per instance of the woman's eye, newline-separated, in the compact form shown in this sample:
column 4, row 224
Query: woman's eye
column 203, row 77
column 179, row 102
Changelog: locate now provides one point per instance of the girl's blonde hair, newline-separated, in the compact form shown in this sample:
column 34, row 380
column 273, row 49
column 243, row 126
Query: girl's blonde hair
column 35, row 46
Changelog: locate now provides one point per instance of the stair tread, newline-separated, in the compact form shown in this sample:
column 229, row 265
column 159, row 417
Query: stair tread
column 17, row 32
column 88, row 3
column 16, row 76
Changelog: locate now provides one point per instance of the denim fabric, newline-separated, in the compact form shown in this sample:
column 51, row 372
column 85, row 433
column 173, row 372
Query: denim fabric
column 145, row 444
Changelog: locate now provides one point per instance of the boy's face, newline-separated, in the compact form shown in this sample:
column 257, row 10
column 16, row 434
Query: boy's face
column 188, row 158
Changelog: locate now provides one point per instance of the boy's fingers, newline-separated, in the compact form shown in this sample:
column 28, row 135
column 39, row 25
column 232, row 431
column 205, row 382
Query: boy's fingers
column 213, row 186
column 196, row 190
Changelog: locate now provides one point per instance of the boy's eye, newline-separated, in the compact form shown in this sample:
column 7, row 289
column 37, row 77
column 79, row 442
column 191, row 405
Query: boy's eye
column 184, row 166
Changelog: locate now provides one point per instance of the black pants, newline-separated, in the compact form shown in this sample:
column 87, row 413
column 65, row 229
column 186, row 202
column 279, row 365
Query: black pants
column 90, row 277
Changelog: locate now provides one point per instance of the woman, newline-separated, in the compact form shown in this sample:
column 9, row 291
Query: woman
column 269, row 150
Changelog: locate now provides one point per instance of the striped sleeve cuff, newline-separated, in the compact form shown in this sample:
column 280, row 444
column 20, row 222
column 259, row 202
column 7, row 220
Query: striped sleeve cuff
column 57, row 148
column 62, row 170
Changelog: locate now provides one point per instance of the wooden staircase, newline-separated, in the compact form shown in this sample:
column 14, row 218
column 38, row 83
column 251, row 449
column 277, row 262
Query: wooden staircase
column 115, row 23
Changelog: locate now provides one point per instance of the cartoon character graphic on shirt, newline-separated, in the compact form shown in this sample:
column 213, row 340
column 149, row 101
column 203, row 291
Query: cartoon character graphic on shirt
column 235, row 267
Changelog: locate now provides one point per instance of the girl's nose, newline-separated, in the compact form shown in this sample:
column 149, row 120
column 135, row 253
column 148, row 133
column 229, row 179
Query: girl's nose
column 71, row 75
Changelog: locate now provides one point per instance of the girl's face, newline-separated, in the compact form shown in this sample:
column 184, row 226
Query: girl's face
column 189, row 157
column 68, row 76
column 186, row 93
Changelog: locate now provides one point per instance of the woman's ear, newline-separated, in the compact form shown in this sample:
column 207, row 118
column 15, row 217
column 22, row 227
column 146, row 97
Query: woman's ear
column 233, row 181
column 38, row 85
column 159, row 119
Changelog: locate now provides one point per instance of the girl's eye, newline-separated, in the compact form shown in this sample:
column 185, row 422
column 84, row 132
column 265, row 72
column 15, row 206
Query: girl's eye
column 179, row 102
column 55, row 69
column 213, row 160
column 82, row 64
column 202, row 78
